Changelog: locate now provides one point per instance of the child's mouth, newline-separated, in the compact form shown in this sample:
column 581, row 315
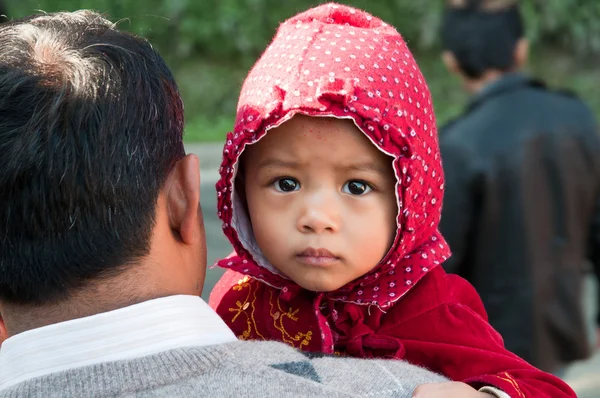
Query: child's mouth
column 317, row 257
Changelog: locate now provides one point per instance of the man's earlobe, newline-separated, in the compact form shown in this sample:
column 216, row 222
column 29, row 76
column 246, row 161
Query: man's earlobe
column 521, row 54
column 3, row 332
column 183, row 199
column 451, row 63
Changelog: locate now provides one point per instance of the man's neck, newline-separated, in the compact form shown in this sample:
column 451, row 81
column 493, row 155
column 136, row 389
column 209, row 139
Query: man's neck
column 101, row 297
column 474, row 86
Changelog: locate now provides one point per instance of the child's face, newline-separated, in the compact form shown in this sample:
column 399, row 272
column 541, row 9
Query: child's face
column 321, row 199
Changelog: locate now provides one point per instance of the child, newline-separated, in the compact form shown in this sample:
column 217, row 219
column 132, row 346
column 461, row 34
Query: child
column 330, row 192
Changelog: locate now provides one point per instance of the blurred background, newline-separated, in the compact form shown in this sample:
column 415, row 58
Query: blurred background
column 210, row 44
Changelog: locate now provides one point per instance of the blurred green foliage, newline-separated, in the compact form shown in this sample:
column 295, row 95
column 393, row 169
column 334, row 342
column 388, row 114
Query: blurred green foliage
column 241, row 28
column 211, row 43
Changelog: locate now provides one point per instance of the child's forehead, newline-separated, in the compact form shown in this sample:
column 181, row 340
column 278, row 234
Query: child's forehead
column 309, row 136
column 303, row 130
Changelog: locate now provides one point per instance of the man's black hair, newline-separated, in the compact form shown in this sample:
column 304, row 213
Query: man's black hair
column 91, row 123
column 482, row 39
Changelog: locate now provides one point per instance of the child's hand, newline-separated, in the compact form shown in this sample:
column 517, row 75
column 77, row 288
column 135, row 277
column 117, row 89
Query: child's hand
column 448, row 390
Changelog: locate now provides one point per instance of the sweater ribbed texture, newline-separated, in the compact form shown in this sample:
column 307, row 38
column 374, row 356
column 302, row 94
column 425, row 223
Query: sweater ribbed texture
column 239, row 369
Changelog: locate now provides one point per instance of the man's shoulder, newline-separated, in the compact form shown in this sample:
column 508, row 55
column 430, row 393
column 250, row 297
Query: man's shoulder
column 467, row 123
column 454, row 138
column 389, row 377
column 558, row 92
column 561, row 103
column 266, row 369
column 532, row 104
column 566, row 97
column 449, row 125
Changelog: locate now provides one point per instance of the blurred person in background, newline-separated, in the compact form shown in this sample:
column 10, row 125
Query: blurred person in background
column 522, row 206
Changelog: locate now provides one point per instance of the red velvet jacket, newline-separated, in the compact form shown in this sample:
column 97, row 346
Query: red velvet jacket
column 340, row 62
column 440, row 324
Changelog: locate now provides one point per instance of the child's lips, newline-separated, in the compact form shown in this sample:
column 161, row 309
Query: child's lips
column 317, row 257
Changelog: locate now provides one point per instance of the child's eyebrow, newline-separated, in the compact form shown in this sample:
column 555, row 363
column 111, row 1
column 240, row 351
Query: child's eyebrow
column 274, row 162
column 364, row 166
column 367, row 166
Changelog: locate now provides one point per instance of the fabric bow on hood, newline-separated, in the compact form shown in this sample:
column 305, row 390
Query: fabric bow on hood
column 338, row 61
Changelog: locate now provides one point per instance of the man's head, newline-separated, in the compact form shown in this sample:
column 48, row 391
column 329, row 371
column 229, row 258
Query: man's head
column 97, row 198
column 483, row 39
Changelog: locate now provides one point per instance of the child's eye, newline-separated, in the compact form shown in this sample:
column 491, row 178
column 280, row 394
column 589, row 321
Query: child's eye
column 286, row 185
column 356, row 187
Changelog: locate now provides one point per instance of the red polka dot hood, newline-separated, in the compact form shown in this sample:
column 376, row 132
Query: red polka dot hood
column 338, row 61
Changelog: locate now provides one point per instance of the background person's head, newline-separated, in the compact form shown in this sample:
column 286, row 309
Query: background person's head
column 482, row 40
column 99, row 206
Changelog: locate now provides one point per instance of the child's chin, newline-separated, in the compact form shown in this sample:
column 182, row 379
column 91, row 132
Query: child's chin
column 319, row 287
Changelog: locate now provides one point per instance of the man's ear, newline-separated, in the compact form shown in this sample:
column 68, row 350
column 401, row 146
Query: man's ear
column 3, row 332
column 451, row 62
column 183, row 199
column 521, row 54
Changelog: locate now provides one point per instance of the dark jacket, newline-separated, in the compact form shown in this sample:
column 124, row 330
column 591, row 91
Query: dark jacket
column 522, row 213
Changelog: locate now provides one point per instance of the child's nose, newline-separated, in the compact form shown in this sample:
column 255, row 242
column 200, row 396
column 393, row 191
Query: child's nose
column 320, row 214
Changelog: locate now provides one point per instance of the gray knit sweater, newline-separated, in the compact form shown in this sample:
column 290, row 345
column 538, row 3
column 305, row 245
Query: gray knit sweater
column 239, row 369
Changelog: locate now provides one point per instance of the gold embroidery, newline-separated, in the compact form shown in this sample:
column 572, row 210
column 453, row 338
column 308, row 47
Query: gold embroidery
column 513, row 382
column 241, row 308
column 300, row 339
column 252, row 314
column 247, row 307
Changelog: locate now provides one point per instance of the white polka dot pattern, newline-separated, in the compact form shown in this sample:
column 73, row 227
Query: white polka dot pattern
column 334, row 60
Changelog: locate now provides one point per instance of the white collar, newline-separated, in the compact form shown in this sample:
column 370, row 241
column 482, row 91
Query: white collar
column 139, row 330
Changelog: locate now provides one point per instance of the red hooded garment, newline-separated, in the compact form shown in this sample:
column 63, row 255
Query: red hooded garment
column 337, row 61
